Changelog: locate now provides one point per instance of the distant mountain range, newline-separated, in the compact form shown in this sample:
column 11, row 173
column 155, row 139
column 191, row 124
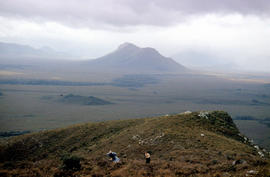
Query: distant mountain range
column 129, row 57
column 126, row 58
column 12, row 50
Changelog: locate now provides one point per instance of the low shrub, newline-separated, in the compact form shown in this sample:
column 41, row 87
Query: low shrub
column 71, row 163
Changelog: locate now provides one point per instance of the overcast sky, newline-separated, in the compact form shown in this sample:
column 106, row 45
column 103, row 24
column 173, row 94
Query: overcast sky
column 236, row 31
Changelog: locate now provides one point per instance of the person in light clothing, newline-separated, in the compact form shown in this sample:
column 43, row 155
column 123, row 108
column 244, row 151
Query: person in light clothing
column 147, row 157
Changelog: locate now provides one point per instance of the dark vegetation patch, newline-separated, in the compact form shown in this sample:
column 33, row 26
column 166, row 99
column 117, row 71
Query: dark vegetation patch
column 135, row 80
column 12, row 133
column 28, row 116
column 248, row 93
column 265, row 121
column 49, row 82
column 47, row 97
column 258, row 102
column 1, row 94
column 263, row 95
column 244, row 118
column 221, row 102
column 83, row 100
column 21, row 116
column 252, row 102
column 125, row 81
column 71, row 162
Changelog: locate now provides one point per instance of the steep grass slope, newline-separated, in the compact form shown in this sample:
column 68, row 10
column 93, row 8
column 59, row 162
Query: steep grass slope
column 190, row 144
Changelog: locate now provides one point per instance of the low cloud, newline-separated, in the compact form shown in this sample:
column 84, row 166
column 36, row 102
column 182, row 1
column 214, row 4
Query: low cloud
column 231, row 30
column 104, row 13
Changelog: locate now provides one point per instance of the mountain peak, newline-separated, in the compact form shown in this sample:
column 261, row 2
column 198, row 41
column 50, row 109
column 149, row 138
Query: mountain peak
column 127, row 45
column 131, row 58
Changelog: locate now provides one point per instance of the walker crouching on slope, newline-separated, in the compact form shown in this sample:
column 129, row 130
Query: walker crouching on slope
column 113, row 156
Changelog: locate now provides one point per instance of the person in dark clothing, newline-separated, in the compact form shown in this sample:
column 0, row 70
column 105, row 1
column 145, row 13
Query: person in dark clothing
column 147, row 157
column 113, row 156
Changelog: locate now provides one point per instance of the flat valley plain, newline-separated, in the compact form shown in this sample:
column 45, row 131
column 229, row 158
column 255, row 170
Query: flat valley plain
column 31, row 101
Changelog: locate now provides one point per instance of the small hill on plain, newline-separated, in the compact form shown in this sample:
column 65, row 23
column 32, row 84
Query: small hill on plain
column 83, row 100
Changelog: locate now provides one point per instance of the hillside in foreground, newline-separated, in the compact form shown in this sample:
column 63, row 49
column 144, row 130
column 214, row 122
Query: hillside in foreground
column 187, row 144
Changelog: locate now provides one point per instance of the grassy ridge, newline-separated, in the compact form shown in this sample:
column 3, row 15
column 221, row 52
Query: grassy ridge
column 200, row 144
